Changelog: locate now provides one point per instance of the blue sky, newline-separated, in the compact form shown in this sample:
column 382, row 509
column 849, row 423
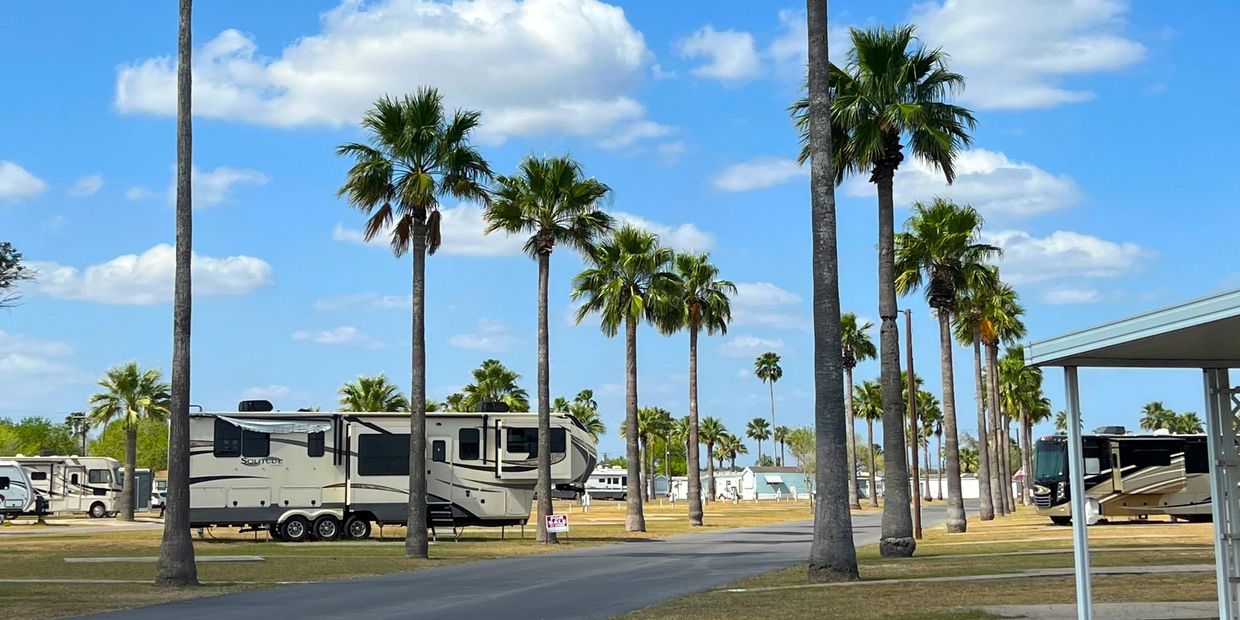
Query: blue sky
column 1100, row 162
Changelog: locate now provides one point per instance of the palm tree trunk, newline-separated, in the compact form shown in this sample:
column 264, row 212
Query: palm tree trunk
column 759, row 449
column 939, row 439
column 832, row 555
column 693, row 471
column 771, row 386
column 987, row 510
column 644, row 448
column 854, row 497
column 955, row 501
column 416, row 544
column 176, row 565
column 996, row 471
column 710, row 471
column 925, row 450
column 634, row 520
column 869, row 435
column 1007, row 462
column 544, row 404
column 1027, row 458
column 129, row 493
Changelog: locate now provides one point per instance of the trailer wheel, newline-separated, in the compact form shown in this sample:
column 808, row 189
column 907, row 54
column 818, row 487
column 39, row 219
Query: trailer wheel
column 357, row 528
column 274, row 531
column 295, row 529
column 98, row 511
column 326, row 528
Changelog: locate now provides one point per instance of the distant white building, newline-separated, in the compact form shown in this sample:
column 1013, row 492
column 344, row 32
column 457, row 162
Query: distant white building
column 751, row 483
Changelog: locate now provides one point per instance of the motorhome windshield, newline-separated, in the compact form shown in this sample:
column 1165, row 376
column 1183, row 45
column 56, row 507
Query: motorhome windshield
column 1050, row 461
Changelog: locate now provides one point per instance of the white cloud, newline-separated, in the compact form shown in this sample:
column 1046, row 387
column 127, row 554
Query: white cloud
column 137, row 193
column 533, row 68
column 988, row 180
column 749, row 346
column 759, row 173
column 790, row 50
column 635, row 132
column 488, row 335
column 1019, row 54
column 362, row 300
column 86, row 185
column 1072, row 296
column 730, row 55
column 345, row 335
column 743, row 373
column 17, row 183
column 685, row 237
column 215, row 186
column 763, row 303
column 462, row 228
column 671, row 152
column 269, row 392
column 146, row 278
column 32, row 370
column 1063, row 254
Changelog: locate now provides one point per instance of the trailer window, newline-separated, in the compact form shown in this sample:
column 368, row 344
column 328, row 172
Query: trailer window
column 467, row 441
column 383, row 455
column 227, row 439
column 97, row 476
column 1145, row 454
column 559, row 440
column 1196, row 458
column 439, row 451
column 38, row 475
column 255, row 444
column 4, row 483
column 522, row 441
column 315, row 444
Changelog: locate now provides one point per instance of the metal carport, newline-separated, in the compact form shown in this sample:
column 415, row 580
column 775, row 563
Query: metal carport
column 1205, row 334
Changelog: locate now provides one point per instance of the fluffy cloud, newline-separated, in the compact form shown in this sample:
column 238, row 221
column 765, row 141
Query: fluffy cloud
column 763, row 303
column 994, row 184
column 362, row 300
column 212, row 187
column 146, row 278
column 345, row 335
column 685, row 237
column 1072, row 296
column 490, row 336
column 749, row 346
column 31, row 370
column 137, row 193
column 759, row 173
column 1018, row 54
column 1063, row 255
column 463, row 233
column 17, row 183
column 86, row 185
column 730, row 55
column 533, row 68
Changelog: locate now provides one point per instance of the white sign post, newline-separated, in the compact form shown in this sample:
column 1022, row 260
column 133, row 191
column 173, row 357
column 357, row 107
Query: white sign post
column 557, row 523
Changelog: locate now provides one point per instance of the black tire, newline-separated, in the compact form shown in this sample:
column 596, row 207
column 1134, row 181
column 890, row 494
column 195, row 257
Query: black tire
column 356, row 528
column 274, row 531
column 295, row 529
column 326, row 528
column 1061, row 520
column 98, row 511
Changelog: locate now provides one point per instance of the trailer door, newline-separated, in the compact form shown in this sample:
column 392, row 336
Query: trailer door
column 1117, row 468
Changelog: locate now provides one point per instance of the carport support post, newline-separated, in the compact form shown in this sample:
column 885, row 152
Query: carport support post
column 1221, row 442
column 1076, row 495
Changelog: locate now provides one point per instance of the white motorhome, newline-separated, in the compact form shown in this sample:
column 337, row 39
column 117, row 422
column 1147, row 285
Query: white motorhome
column 15, row 494
column 322, row 475
column 75, row 484
column 608, row 483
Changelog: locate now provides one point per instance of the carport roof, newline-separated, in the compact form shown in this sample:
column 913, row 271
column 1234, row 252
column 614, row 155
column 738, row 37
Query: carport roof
column 1203, row 333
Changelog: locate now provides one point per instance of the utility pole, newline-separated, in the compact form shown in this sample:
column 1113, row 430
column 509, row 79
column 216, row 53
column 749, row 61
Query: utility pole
column 912, row 421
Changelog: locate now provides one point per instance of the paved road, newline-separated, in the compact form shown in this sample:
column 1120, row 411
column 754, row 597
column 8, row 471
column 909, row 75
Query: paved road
column 598, row 582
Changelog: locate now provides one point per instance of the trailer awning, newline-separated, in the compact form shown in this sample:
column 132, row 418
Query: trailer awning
column 280, row 427
column 772, row 479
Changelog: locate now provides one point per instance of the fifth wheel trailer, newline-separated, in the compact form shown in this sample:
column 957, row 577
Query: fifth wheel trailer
column 322, row 475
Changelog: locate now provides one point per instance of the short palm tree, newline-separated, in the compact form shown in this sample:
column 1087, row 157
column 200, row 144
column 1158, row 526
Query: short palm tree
column 931, row 415
column 495, row 382
column 780, row 436
column 130, row 396
column 711, row 433
column 551, row 200
column 858, row 347
column 1155, row 416
column 372, row 394
column 939, row 249
column 733, row 446
column 584, row 409
column 758, row 430
column 1001, row 323
column 455, row 402
column 652, row 422
column 869, row 407
column 767, row 369
column 1187, row 423
column 891, row 95
column 418, row 154
column 968, row 460
column 628, row 280
column 702, row 303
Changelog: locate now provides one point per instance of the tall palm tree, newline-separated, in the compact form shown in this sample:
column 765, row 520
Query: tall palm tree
column 939, row 249
column 132, row 396
column 766, row 368
column 711, row 433
column 758, row 430
column 627, row 281
column 1155, row 416
column 551, row 200
column 1001, row 323
column 702, row 302
column 969, row 309
column 869, row 407
column 493, row 381
column 890, row 90
column 858, row 347
column 176, row 565
column 372, row 394
column 417, row 155
column 780, row 436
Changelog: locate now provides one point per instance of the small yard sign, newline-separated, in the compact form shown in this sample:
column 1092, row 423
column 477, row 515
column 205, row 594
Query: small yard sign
column 557, row 523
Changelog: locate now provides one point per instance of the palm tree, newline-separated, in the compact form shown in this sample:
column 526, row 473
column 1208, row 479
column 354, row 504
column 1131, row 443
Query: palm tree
column 372, row 394
column 1061, row 422
column 628, row 281
column 1155, row 416
column 584, row 409
column 495, row 382
column 758, row 430
column 433, row 405
column 780, row 436
column 455, row 402
column 417, row 155
column 703, row 303
column 968, row 460
column 652, row 422
column 131, row 396
column 939, row 249
column 887, row 91
column 734, row 447
column 869, row 407
column 969, row 309
column 1001, row 323
column 858, row 347
column 551, row 200
column 1187, row 424
column 766, row 368
column 1019, row 392
column 176, row 565
column 711, row 433
column 932, row 420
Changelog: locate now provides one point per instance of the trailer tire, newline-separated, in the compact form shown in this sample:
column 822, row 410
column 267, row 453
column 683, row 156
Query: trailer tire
column 295, row 529
column 98, row 510
column 326, row 528
column 274, row 531
column 357, row 528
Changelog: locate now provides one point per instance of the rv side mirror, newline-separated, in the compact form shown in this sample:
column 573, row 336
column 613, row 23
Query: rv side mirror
column 1093, row 466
